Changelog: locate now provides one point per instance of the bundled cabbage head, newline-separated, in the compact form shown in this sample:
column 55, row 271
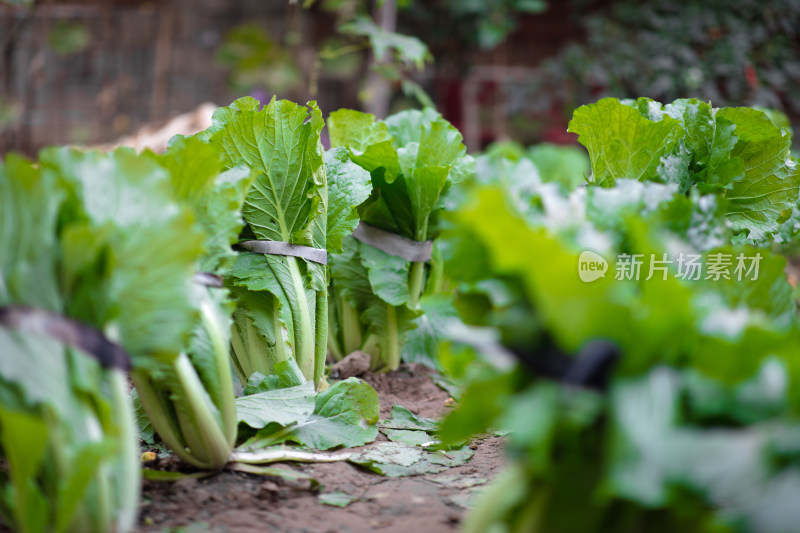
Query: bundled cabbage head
column 383, row 303
column 98, row 239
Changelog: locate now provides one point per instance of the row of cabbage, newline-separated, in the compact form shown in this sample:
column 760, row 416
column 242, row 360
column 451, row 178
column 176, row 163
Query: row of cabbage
column 655, row 401
column 657, row 397
column 122, row 263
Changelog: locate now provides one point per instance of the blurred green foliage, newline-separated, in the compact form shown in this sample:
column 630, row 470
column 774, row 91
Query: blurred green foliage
column 733, row 53
column 493, row 20
column 9, row 112
column 69, row 38
column 257, row 61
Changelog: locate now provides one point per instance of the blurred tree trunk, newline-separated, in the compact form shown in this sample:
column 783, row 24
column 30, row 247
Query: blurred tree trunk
column 378, row 89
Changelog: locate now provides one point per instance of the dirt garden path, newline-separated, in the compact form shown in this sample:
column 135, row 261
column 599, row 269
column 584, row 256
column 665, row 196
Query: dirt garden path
column 237, row 502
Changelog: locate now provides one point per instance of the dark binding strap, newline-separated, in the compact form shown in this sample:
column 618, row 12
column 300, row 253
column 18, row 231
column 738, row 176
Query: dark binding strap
column 590, row 368
column 69, row 332
column 207, row 279
column 285, row 248
column 392, row 244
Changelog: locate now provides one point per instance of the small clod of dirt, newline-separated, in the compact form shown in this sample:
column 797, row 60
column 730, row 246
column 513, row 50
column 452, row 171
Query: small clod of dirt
column 354, row 365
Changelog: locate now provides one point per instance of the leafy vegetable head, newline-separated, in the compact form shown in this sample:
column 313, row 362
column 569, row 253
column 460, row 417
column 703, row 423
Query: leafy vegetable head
column 738, row 154
column 414, row 156
column 681, row 434
column 120, row 219
column 98, row 238
column 299, row 196
column 215, row 195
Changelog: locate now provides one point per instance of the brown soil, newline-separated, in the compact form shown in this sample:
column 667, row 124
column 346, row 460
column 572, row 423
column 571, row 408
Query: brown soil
column 237, row 502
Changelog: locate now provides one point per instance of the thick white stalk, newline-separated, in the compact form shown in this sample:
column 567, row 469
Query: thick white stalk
column 304, row 335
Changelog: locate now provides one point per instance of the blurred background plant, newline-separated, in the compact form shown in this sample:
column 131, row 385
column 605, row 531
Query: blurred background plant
column 732, row 53
column 66, row 38
column 256, row 61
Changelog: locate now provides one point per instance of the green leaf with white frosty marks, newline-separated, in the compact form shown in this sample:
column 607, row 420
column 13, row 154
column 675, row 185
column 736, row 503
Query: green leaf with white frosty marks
column 344, row 415
column 409, row 436
column 623, row 143
column 709, row 142
column 757, row 281
column 281, row 406
column 394, row 459
column 760, row 202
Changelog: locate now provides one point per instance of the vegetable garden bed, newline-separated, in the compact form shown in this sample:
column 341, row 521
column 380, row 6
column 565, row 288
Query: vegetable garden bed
column 357, row 499
column 655, row 399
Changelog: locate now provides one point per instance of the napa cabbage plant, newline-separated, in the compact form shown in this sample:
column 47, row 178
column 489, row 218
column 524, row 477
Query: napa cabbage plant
column 661, row 402
column 189, row 398
column 280, row 321
column 737, row 154
column 384, row 303
column 96, row 239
